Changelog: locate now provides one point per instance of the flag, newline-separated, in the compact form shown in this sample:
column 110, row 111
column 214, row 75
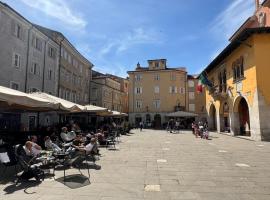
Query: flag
column 199, row 87
column 203, row 81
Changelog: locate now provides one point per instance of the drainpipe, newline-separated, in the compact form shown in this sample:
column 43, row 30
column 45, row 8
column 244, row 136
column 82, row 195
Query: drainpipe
column 58, row 89
column 44, row 65
column 27, row 59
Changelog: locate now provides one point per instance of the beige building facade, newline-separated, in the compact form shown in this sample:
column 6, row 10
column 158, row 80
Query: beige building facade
column 196, row 100
column 106, row 92
column 155, row 91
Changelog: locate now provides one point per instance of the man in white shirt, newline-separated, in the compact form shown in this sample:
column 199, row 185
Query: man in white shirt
column 82, row 151
column 36, row 149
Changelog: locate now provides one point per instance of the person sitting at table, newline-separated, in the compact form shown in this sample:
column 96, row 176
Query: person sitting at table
column 101, row 137
column 50, row 145
column 36, row 149
column 82, row 151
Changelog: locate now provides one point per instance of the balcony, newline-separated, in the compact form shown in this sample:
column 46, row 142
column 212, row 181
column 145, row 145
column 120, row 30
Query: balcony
column 219, row 91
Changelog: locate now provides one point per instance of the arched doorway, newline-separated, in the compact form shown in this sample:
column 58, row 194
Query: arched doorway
column 157, row 121
column 224, row 117
column 212, row 122
column 242, row 120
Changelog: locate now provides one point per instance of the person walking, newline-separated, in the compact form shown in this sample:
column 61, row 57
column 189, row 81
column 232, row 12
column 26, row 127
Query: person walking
column 141, row 126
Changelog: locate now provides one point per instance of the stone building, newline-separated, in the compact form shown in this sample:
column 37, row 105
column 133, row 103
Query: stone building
column 106, row 92
column 124, row 83
column 75, row 71
column 28, row 61
column 155, row 91
column 239, row 101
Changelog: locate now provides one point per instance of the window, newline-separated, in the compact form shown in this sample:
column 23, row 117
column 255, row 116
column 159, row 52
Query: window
column 18, row 31
column 156, row 77
column 65, row 54
column 16, row 60
column 238, row 69
column 138, row 90
column 172, row 76
column 173, row 90
column 190, row 83
column 138, row 77
column 51, row 52
column 35, row 69
column 182, row 90
column 138, row 104
column 191, row 95
column 156, row 89
column 156, row 104
column 50, row 74
column 191, row 107
column 69, row 59
column 95, row 94
column 37, row 43
column 14, row 86
column 74, row 62
column 156, row 64
column 81, row 69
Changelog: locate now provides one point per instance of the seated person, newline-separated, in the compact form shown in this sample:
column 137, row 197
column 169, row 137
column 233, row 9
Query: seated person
column 101, row 137
column 50, row 145
column 67, row 136
column 36, row 149
column 81, row 151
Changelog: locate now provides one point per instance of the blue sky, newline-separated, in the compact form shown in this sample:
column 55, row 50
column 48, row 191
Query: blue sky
column 116, row 34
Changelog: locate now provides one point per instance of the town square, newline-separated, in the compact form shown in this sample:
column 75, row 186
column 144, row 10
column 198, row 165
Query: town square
column 134, row 99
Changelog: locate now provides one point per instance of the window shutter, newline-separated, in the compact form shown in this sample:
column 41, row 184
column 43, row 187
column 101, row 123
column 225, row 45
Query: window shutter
column 170, row 89
column 140, row 90
column 175, row 90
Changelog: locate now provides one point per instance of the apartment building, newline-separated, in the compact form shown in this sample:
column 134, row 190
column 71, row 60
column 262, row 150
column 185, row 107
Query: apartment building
column 155, row 91
column 75, row 71
column 106, row 92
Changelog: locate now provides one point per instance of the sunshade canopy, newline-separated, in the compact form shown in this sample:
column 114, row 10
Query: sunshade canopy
column 14, row 99
column 92, row 108
column 181, row 114
column 63, row 104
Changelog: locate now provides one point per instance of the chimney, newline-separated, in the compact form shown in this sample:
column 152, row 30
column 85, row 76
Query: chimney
column 257, row 4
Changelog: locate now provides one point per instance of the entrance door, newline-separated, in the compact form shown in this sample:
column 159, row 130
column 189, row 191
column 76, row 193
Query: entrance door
column 157, row 121
column 244, row 117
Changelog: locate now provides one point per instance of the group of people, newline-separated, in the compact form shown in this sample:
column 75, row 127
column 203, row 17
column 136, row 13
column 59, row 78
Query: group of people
column 200, row 130
column 173, row 125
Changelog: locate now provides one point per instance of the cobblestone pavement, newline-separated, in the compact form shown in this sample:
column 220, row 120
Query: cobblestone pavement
column 159, row 165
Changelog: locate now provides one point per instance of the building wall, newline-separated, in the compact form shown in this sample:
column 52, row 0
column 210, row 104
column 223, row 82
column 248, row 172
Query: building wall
column 254, row 88
column 262, row 47
column 168, row 100
column 106, row 93
column 10, row 45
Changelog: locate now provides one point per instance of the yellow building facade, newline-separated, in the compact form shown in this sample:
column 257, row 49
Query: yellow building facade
column 155, row 91
column 239, row 102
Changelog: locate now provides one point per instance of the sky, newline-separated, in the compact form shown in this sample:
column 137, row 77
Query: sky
column 117, row 34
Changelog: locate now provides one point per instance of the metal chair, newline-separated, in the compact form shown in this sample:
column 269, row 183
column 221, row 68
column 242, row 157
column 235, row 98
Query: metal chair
column 8, row 157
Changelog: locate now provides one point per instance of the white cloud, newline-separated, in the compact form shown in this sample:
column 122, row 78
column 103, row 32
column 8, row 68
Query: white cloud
column 228, row 21
column 126, row 41
column 58, row 9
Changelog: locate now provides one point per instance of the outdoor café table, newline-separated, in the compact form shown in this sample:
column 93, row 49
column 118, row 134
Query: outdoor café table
column 61, row 159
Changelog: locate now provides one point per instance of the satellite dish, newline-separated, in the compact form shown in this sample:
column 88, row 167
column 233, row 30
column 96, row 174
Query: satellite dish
column 67, row 137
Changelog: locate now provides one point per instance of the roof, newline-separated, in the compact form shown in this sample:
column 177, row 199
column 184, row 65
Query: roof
column 155, row 70
column 235, row 44
column 50, row 33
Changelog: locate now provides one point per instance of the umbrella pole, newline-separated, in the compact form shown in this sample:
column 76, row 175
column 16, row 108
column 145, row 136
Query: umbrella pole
column 38, row 116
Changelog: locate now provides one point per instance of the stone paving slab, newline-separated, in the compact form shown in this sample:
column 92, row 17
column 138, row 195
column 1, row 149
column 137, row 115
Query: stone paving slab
column 159, row 165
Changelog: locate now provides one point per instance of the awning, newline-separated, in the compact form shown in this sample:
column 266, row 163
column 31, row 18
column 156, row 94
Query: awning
column 113, row 113
column 63, row 104
column 92, row 108
column 181, row 114
column 14, row 99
